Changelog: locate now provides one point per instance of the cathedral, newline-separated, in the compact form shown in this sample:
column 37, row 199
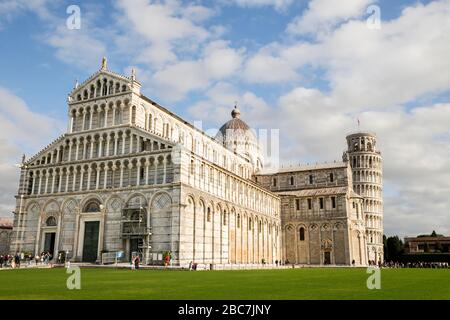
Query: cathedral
column 130, row 177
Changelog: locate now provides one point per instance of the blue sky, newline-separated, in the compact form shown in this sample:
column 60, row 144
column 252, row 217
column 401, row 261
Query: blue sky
column 309, row 68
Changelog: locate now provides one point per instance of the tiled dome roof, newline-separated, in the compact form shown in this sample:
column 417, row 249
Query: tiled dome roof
column 234, row 124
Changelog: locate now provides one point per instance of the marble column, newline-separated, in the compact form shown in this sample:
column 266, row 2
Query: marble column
column 88, row 187
column 70, row 151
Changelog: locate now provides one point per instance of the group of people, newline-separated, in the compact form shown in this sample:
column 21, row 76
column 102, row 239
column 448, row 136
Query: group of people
column 18, row 259
column 12, row 261
column 431, row 265
column 192, row 266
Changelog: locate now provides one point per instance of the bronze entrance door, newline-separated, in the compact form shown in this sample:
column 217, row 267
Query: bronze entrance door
column 90, row 243
column 49, row 244
column 327, row 257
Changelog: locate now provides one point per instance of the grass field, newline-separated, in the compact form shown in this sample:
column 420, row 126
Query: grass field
column 255, row 284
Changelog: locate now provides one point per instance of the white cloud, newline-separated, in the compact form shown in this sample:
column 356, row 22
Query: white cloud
column 21, row 130
column 323, row 15
column 218, row 62
column 370, row 69
column 163, row 21
column 277, row 4
column 162, row 27
column 76, row 47
column 266, row 68
column 197, row 13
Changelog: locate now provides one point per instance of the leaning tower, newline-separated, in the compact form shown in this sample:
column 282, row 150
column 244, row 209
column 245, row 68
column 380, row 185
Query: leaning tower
column 366, row 164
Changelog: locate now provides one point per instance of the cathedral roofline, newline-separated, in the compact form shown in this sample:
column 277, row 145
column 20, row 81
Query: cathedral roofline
column 185, row 122
column 57, row 140
column 307, row 167
column 311, row 192
column 104, row 70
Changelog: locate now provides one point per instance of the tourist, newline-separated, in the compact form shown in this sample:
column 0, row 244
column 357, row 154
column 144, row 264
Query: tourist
column 190, row 266
column 17, row 260
column 1, row 261
column 136, row 262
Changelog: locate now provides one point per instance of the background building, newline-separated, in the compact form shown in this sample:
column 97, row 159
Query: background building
column 419, row 245
column 6, row 234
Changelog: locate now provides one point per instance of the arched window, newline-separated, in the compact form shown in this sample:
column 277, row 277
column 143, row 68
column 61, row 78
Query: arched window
column 118, row 116
column 302, row 234
column 331, row 177
column 292, row 181
column 92, row 92
column 92, row 206
column 133, row 114
column 105, row 87
column 208, row 216
column 111, row 87
column 224, row 218
column 51, row 222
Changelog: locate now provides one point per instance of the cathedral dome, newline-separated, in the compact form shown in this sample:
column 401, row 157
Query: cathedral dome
column 234, row 124
column 237, row 136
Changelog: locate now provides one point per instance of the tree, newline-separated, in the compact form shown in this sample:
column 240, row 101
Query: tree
column 393, row 248
column 433, row 235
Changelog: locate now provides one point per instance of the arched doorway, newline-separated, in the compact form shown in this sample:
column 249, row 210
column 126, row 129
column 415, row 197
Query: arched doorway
column 91, row 231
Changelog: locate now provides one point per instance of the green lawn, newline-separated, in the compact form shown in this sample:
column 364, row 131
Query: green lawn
column 255, row 284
